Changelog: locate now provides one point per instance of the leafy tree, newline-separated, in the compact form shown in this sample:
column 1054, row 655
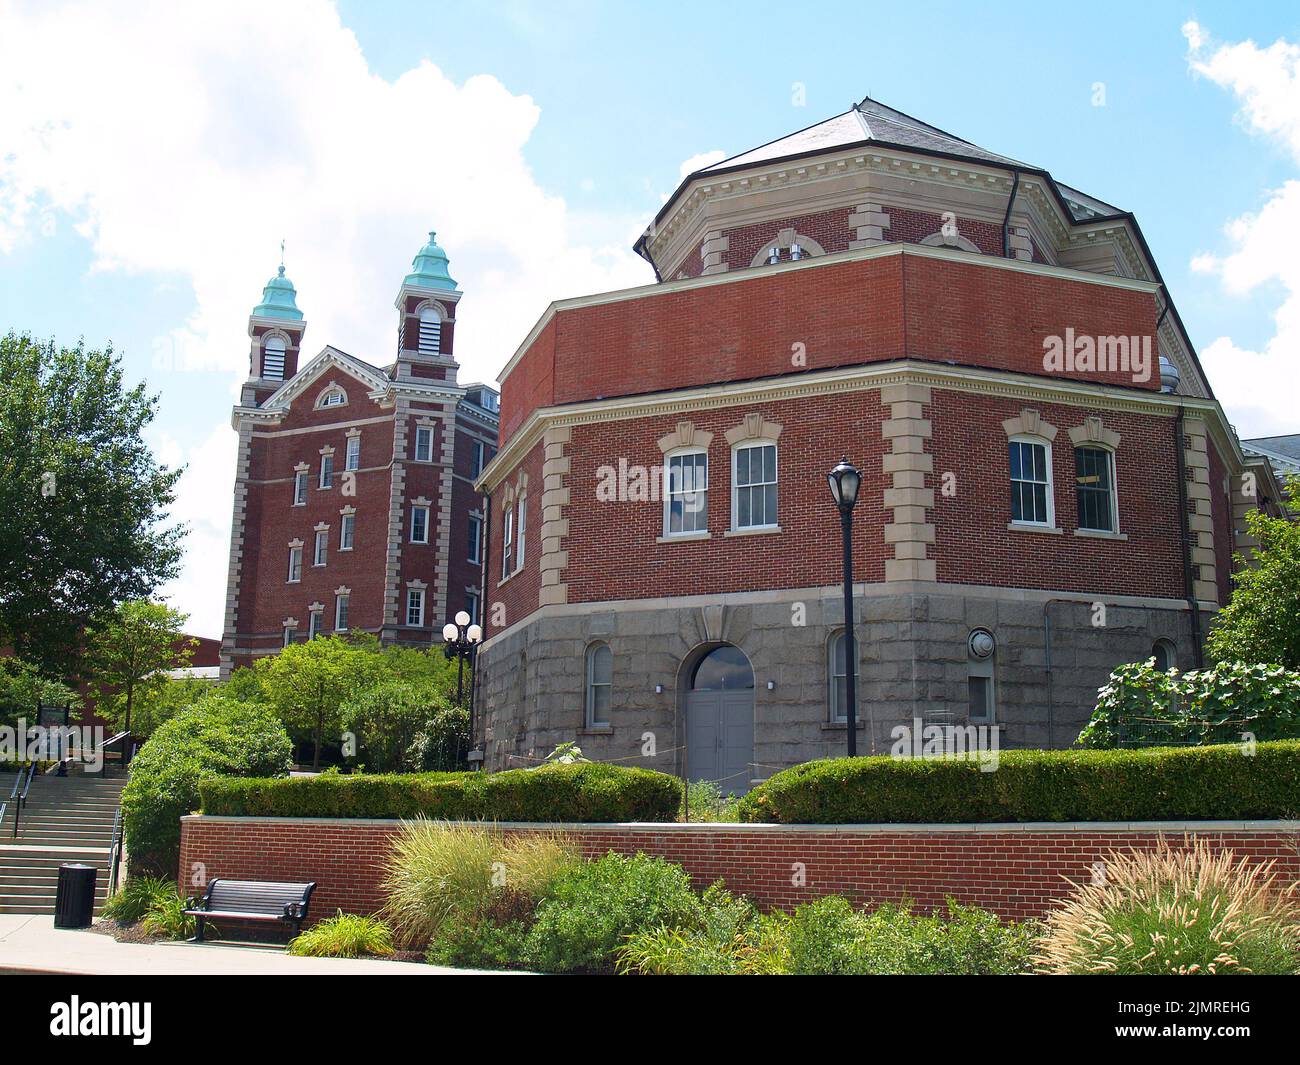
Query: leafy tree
column 127, row 656
column 404, row 727
column 306, row 684
column 23, row 688
column 82, row 497
column 158, row 705
column 1261, row 622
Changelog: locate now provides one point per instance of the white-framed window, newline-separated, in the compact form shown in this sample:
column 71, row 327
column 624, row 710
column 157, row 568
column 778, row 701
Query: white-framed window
column 521, row 528
column 471, row 604
column 477, row 456
column 600, row 678
column 753, row 486
column 341, row 612
column 424, row 443
column 686, row 493
column 474, row 548
column 313, row 624
column 334, row 397
column 295, row 565
column 415, row 606
column 419, row 525
column 321, row 554
column 352, row 457
column 1030, row 462
column 300, row 488
column 837, row 667
column 273, row 350
column 326, row 471
column 347, row 530
column 1094, row 476
column 507, row 541
column 430, row 331
column 290, row 634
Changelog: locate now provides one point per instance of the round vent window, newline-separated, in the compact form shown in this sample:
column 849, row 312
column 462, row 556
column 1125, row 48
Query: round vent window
column 981, row 643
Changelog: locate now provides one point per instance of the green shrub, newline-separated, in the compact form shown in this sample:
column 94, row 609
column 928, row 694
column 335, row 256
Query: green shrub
column 593, row 907
column 1176, row 912
column 166, row 917
column 830, row 937
column 345, row 935
column 406, row 726
column 704, row 802
column 478, row 943
column 214, row 736
column 1154, row 784
column 436, row 872
column 1140, row 705
column 135, row 896
column 590, row 791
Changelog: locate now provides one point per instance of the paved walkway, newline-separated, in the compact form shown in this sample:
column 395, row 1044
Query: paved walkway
column 31, row 944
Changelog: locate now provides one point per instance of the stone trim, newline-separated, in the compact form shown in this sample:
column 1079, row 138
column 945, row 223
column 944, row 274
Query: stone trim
column 912, row 528
column 289, row 623
column 754, row 427
column 329, row 389
column 1200, row 521
column 396, row 513
column 783, row 240
column 342, row 589
column 235, row 563
column 555, row 526
column 295, row 542
column 1092, row 431
column 685, row 435
column 302, row 467
column 941, row 240
column 869, row 222
column 1030, row 423
column 441, row 538
column 713, row 252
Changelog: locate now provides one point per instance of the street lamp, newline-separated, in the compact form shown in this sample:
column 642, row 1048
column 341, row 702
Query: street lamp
column 845, row 480
column 460, row 639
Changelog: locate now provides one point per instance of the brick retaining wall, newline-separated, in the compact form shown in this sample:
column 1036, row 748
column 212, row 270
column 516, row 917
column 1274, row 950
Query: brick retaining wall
column 1016, row 870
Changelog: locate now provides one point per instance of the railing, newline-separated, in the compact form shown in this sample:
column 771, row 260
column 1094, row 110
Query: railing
column 19, row 798
column 115, row 853
column 60, row 765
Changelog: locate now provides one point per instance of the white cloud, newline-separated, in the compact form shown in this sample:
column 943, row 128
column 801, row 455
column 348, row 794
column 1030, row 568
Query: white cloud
column 186, row 140
column 699, row 162
column 1260, row 389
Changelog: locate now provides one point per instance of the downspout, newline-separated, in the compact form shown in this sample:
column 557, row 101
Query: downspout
column 485, row 612
column 1006, row 219
column 1189, row 585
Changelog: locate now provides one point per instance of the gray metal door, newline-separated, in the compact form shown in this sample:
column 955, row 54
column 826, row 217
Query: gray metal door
column 720, row 738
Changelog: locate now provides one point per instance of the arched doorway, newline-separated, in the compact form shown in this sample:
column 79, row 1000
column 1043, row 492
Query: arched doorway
column 720, row 719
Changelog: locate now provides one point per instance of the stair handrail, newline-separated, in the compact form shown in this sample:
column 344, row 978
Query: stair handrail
column 60, row 766
column 115, row 853
column 22, row 796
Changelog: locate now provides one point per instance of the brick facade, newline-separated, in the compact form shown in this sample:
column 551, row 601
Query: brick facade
column 1017, row 871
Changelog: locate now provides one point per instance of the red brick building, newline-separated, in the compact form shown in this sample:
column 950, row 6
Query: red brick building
column 355, row 506
column 1049, row 486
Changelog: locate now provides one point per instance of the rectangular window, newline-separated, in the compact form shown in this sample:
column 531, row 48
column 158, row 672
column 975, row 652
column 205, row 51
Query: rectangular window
column 415, row 606
column 322, row 547
column 686, row 502
column 471, row 605
column 520, row 530
column 295, row 564
column 327, row 471
column 981, row 699
column 1094, row 475
column 313, row 625
column 419, row 525
column 755, row 486
column 1030, row 483
column 352, row 460
column 290, row 634
column 300, row 488
column 347, row 527
column 479, row 450
column 341, row 613
column 507, row 542
column 839, row 678
column 475, row 548
column 424, row 443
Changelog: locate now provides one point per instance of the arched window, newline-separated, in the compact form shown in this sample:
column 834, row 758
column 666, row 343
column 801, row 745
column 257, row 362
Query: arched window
column 600, row 676
column 332, row 397
column 273, row 350
column 837, row 667
column 1165, row 654
column 724, row 668
column 430, row 331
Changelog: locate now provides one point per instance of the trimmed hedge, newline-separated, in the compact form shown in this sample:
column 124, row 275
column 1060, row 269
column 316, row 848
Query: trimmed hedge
column 587, row 791
column 1155, row 784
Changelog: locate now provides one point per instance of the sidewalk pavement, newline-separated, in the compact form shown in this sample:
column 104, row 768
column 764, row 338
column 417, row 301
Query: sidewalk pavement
column 31, row 944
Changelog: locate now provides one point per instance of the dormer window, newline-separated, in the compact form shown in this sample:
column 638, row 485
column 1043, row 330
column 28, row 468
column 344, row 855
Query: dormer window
column 273, row 350
column 430, row 342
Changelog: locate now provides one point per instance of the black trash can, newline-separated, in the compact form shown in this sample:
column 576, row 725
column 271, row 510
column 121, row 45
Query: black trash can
column 74, row 904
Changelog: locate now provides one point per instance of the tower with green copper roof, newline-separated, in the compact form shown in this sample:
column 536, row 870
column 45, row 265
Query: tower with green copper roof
column 426, row 307
column 279, row 299
column 429, row 268
column 276, row 329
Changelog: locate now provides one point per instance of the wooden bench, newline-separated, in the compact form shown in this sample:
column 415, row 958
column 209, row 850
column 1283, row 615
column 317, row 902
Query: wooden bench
column 251, row 900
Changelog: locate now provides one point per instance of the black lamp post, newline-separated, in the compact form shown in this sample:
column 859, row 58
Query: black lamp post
column 845, row 480
column 461, row 638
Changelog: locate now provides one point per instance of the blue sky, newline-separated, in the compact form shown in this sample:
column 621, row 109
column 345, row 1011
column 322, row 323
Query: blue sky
column 151, row 161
